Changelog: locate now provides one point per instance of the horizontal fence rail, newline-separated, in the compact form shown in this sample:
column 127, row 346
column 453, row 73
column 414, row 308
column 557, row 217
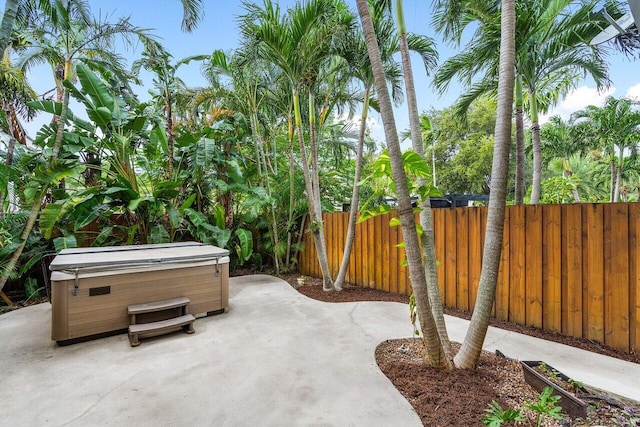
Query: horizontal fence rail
column 572, row 269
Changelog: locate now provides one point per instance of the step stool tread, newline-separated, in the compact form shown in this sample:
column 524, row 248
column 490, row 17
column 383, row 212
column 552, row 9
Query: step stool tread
column 158, row 305
column 162, row 324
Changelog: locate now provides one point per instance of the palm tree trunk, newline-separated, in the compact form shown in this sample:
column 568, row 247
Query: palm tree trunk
column 469, row 353
column 316, row 221
column 612, row 186
column 426, row 217
column 616, row 190
column 537, row 150
column 327, row 280
column 520, row 184
column 576, row 195
column 435, row 352
column 355, row 195
column 263, row 176
column 291, row 190
column 170, row 138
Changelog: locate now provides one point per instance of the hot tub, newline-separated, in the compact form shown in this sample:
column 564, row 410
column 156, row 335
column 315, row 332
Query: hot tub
column 91, row 288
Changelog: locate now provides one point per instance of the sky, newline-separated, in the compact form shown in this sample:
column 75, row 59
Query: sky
column 218, row 30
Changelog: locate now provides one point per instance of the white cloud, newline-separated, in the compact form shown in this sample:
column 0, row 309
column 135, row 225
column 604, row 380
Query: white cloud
column 578, row 99
column 634, row 92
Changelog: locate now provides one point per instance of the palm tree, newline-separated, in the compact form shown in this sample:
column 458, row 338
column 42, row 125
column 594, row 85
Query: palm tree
column 167, row 87
column 615, row 129
column 551, row 56
column 299, row 43
column 426, row 218
column 557, row 140
column 435, row 351
column 360, row 68
column 469, row 353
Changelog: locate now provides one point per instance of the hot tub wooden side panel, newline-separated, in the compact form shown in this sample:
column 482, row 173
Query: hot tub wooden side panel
column 84, row 314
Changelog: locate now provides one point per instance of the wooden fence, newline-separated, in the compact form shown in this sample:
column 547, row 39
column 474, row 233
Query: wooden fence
column 573, row 269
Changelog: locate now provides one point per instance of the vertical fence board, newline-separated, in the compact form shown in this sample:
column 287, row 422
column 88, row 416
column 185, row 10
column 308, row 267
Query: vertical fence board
column 353, row 279
column 616, row 296
column 552, row 268
column 462, row 257
column 517, row 306
column 573, row 284
column 440, row 231
column 364, row 256
column 394, row 259
column 385, row 261
column 501, row 306
column 330, row 236
column 378, row 261
column 634, row 276
column 593, row 257
column 450, row 257
column 533, row 272
column 339, row 233
column 342, row 231
column 475, row 253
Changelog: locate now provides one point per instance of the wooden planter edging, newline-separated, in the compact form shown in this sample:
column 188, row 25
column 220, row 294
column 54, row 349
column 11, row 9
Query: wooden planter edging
column 570, row 404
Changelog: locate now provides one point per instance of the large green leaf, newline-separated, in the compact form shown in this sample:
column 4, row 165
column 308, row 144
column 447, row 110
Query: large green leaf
column 158, row 234
column 105, row 233
column 415, row 164
column 65, row 242
column 101, row 115
column 95, row 88
column 48, row 218
column 244, row 248
column 365, row 214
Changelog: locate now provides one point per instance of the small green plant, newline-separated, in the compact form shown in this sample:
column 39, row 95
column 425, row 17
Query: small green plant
column 552, row 374
column 546, row 406
column 496, row 415
column 575, row 385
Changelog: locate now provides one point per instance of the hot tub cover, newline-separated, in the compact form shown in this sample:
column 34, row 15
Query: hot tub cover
column 119, row 257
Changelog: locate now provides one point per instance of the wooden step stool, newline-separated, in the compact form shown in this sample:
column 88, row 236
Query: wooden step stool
column 141, row 330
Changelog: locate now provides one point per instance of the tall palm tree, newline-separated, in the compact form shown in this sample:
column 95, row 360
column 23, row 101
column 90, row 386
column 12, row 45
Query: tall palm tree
column 435, row 351
column 357, row 57
column 615, row 127
column 299, row 43
column 469, row 353
column 551, row 56
column 426, row 218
